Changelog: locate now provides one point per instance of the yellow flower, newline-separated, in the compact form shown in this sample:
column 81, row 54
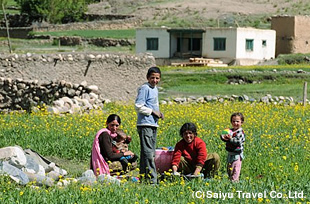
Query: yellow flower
column 296, row 167
column 21, row 193
column 284, row 157
column 260, row 200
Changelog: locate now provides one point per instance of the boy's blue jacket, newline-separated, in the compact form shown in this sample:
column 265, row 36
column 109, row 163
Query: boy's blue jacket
column 146, row 102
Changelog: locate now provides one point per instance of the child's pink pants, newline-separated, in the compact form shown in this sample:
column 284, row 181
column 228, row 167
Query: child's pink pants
column 234, row 169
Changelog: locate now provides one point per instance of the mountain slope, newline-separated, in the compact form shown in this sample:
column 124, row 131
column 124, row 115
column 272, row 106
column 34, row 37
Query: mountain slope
column 179, row 13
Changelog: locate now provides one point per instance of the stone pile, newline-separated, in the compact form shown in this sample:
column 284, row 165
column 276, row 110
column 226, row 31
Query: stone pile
column 268, row 99
column 29, row 167
column 25, row 166
column 59, row 96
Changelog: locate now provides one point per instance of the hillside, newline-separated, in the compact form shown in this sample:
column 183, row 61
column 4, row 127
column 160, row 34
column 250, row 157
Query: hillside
column 186, row 13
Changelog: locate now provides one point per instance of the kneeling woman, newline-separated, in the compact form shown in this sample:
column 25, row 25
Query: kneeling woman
column 103, row 159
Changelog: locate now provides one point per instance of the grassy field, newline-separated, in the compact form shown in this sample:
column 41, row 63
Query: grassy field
column 258, row 81
column 275, row 169
column 115, row 34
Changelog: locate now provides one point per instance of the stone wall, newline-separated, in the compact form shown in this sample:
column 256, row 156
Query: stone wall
column 20, row 32
column 117, row 75
column 100, row 42
column 59, row 96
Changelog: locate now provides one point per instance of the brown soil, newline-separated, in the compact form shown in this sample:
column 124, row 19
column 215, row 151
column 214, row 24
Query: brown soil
column 205, row 9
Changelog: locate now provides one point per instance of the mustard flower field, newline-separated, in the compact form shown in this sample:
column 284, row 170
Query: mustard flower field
column 276, row 168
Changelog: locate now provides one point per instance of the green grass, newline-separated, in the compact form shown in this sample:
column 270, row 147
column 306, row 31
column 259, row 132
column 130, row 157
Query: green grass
column 116, row 34
column 201, row 82
column 9, row 3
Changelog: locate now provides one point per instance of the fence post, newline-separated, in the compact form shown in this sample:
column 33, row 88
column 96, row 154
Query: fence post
column 305, row 94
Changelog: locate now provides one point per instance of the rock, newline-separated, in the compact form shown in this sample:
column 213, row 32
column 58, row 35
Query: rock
column 162, row 102
column 180, row 100
column 93, row 96
column 200, row 100
column 53, row 110
column 246, row 98
column 52, row 167
column 71, row 93
column 264, row 99
column 104, row 178
column 88, row 178
column 54, row 175
column 14, row 155
column 83, row 83
column 93, row 88
column 300, row 71
column 40, row 180
column 16, row 174
column 208, row 98
column 31, row 166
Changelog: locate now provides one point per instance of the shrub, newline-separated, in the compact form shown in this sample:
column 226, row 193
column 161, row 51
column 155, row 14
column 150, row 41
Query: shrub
column 293, row 59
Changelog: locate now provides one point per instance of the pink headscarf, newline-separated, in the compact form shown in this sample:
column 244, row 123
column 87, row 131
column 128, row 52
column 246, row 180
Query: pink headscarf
column 100, row 166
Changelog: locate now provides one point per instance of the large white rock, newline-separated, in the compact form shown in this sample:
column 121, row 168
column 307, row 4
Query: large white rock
column 14, row 155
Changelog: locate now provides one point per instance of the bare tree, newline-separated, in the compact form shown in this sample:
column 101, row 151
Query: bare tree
column 6, row 24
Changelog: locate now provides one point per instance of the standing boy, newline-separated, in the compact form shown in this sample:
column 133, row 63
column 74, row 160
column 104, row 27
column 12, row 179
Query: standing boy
column 147, row 108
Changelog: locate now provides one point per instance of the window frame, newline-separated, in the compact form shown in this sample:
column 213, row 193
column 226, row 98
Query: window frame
column 249, row 45
column 219, row 44
column 152, row 44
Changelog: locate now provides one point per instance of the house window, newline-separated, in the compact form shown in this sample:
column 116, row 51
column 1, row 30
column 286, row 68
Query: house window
column 196, row 44
column 219, row 44
column 249, row 45
column 264, row 43
column 151, row 43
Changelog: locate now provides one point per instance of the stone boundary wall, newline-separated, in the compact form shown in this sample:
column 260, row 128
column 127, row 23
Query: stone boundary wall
column 17, row 32
column 100, row 42
column 109, row 17
column 117, row 75
column 268, row 99
column 21, row 94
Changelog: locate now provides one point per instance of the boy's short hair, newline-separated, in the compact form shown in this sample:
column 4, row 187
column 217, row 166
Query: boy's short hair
column 237, row 114
column 153, row 70
column 188, row 126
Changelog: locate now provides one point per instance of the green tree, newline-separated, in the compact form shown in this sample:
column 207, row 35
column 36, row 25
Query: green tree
column 53, row 11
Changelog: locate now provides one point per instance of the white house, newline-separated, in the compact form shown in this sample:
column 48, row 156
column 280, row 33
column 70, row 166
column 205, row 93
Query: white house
column 244, row 46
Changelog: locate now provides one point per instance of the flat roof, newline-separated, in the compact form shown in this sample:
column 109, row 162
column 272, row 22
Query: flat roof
column 186, row 30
